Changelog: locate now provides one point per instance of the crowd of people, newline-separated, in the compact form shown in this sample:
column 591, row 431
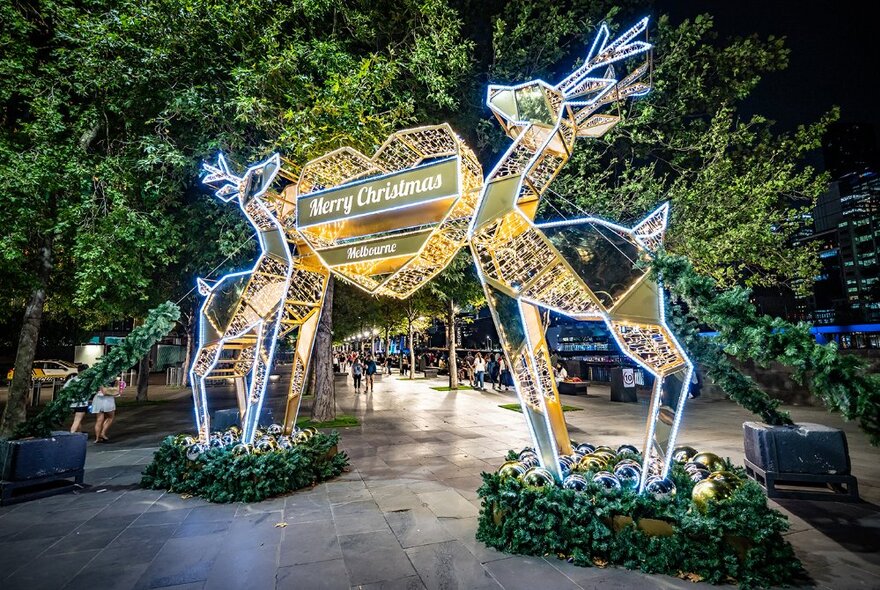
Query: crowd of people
column 478, row 369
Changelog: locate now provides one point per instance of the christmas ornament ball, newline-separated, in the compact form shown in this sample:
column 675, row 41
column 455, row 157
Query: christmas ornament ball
column 660, row 487
column 627, row 449
column 567, row 461
column 194, row 451
column 627, row 461
column 712, row 461
column 512, row 469
column 694, row 466
column 585, row 448
column 731, row 479
column 698, row 475
column 241, row 449
column 538, row 477
column 607, row 480
column 628, row 475
column 576, row 482
column 683, row 454
column 709, row 490
column 592, row 462
column 529, row 457
column 275, row 429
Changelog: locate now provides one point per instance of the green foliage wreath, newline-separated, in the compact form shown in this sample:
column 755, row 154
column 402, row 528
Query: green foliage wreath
column 842, row 382
column 738, row 539
column 159, row 322
column 221, row 475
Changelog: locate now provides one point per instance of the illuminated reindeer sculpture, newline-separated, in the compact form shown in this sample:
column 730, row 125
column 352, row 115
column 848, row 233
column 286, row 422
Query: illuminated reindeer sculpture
column 245, row 313
column 390, row 221
column 584, row 269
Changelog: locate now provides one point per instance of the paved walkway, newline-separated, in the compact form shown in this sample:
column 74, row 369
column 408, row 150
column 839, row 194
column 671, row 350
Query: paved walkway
column 403, row 517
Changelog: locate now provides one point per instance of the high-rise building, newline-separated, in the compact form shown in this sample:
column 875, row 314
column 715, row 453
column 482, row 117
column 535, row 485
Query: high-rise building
column 849, row 148
column 845, row 297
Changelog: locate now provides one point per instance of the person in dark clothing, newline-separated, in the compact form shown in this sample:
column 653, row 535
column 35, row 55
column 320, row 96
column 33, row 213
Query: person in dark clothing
column 371, row 370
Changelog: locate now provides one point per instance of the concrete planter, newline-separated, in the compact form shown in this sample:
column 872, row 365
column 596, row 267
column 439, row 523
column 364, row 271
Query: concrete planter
column 38, row 467
column 801, row 461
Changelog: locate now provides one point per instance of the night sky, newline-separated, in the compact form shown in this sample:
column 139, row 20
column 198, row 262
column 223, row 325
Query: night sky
column 833, row 54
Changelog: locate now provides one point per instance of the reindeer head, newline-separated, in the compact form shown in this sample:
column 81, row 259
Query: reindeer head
column 256, row 180
column 575, row 99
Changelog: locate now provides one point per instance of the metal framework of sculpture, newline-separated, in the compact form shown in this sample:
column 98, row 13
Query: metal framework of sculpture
column 585, row 269
column 390, row 222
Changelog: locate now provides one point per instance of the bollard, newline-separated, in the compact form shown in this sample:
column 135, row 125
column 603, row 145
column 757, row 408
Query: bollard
column 36, row 390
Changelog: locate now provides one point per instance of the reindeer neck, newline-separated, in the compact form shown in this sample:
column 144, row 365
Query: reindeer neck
column 503, row 190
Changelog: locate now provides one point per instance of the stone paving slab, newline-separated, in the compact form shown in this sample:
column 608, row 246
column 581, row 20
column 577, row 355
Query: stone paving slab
column 403, row 518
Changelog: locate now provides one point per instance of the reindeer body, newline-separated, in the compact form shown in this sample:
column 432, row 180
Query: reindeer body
column 584, row 269
column 241, row 316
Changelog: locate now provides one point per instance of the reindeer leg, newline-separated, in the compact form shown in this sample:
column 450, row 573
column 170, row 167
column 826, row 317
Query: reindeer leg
column 305, row 301
column 302, row 357
column 263, row 356
column 653, row 346
column 522, row 338
column 205, row 359
column 673, row 396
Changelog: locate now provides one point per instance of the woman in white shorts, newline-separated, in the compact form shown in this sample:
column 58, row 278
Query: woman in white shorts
column 104, row 408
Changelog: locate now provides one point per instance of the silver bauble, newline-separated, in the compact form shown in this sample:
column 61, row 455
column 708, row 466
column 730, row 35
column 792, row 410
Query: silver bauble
column 627, row 449
column 607, row 480
column 628, row 475
column 575, row 481
column 194, row 451
column 660, row 487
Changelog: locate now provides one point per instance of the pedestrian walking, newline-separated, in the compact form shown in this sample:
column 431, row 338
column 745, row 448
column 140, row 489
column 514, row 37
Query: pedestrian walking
column 506, row 377
column 492, row 367
column 371, row 370
column 79, row 407
column 357, row 370
column 104, row 408
column 479, row 370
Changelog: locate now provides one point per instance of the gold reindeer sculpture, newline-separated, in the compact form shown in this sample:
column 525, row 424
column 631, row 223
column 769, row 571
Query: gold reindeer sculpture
column 585, row 269
column 389, row 222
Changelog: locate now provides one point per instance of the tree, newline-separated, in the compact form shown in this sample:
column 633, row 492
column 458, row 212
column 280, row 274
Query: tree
column 457, row 286
column 324, row 405
column 415, row 314
column 110, row 106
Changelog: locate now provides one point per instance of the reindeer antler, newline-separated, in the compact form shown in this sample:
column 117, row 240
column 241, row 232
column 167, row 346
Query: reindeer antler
column 230, row 184
column 579, row 83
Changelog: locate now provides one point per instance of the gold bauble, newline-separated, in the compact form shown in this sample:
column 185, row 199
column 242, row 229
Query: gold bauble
column 592, row 462
column 709, row 490
column 710, row 460
column 728, row 477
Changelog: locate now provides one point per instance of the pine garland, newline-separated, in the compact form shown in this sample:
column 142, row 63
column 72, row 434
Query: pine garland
column 222, row 475
column 159, row 322
column 738, row 539
column 842, row 382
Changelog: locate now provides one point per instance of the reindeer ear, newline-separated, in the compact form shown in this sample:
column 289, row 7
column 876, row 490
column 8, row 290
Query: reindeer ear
column 203, row 287
column 264, row 174
column 650, row 231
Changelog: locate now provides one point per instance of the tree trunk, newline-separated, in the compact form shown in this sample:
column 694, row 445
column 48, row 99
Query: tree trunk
column 143, row 383
column 388, row 345
column 412, row 350
column 16, row 404
column 450, row 342
column 187, row 358
column 324, row 406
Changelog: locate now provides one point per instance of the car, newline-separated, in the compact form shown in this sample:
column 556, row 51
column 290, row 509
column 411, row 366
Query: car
column 51, row 370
